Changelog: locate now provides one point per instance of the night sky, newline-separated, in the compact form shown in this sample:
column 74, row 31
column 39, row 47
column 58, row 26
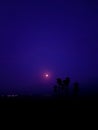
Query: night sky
column 56, row 37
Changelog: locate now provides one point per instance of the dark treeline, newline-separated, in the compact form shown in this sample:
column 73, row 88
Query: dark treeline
column 62, row 87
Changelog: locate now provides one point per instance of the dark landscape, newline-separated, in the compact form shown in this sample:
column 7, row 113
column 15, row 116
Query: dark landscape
column 49, row 60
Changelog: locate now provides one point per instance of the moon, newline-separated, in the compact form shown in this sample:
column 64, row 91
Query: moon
column 46, row 75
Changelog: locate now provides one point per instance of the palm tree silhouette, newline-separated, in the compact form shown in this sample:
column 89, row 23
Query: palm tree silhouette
column 66, row 83
column 59, row 82
column 62, row 87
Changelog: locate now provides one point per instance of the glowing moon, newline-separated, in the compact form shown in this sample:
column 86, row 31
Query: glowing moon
column 46, row 75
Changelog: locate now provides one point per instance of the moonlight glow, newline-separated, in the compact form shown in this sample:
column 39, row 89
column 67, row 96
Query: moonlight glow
column 46, row 75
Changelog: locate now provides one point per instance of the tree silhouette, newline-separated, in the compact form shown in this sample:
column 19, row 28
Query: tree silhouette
column 59, row 82
column 76, row 89
column 66, row 83
column 62, row 87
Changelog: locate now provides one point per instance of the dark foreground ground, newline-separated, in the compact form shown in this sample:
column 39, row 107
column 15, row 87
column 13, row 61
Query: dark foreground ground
column 48, row 104
column 47, row 109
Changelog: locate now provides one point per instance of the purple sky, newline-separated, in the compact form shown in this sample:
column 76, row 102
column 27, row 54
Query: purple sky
column 55, row 36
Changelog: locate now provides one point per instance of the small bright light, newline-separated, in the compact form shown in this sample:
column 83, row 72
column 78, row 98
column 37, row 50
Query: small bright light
column 46, row 75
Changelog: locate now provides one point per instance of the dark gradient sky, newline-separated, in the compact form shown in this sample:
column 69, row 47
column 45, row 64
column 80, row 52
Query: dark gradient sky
column 55, row 36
